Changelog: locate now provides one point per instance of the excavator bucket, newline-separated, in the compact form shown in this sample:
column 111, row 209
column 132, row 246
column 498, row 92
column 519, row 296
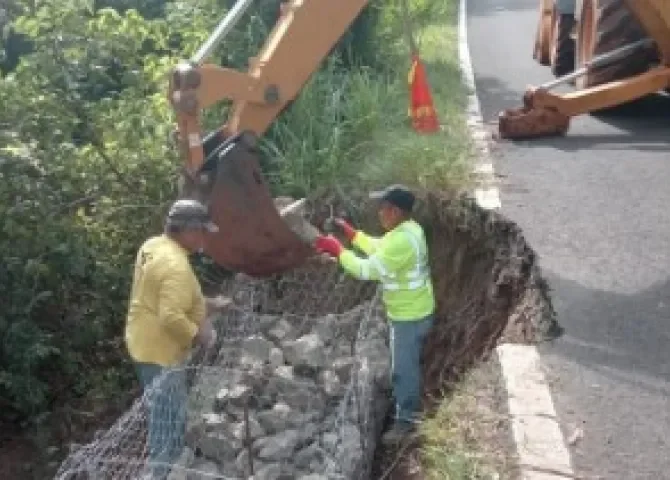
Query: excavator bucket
column 253, row 238
column 223, row 170
column 531, row 122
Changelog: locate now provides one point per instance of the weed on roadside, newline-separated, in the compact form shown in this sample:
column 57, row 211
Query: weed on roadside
column 468, row 437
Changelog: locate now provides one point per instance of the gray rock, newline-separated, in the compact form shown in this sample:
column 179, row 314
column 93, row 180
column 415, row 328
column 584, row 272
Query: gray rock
column 280, row 446
column 350, row 452
column 325, row 329
column 282, row 331
column 219, row 446
column 330, row 382
column 307, row 432
column 242, row 462
column 253, row 367
column 298, row 393
column 239, row 429
column 343, row 349
column 270, row 471
column 309, row 457
column 257, row 347
column 276, row 357
column 203, row 469
column 342, row 366
column 235, row 414
column 307, row 350
column 276, row 419
column 329, row 441
column 235, row 396
column 303, row 397
column 184, row 461
column 313, row 476
column 284, row 372
column 213, row 421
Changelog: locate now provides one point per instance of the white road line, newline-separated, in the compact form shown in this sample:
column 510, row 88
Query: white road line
column 541, row 447
column 487, row 197
column 537, row 434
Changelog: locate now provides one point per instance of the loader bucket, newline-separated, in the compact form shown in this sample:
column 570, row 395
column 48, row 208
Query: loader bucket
column 252, row 236
column 530, row 121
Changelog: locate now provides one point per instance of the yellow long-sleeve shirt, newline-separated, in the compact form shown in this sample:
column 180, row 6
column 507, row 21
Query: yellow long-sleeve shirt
column 166, row 304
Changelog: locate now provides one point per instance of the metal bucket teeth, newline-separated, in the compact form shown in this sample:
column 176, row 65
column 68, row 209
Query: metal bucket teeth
column 529, row 122
column 252, row 237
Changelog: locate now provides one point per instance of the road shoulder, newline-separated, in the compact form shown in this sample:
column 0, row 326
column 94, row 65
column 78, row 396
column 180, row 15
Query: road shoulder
column 537, row 434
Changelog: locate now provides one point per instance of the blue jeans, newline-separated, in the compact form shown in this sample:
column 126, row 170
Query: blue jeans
column 165, row 394
column 407, row 340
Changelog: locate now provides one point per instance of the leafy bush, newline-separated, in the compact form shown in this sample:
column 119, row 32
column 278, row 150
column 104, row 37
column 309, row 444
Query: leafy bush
column 87, row 169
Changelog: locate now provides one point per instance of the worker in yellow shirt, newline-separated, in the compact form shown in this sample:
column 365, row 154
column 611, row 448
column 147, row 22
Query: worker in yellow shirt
column 399, row 261
column 166, row 316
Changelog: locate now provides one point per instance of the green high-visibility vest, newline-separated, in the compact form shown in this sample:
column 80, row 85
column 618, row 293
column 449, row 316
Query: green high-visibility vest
column 399, row 261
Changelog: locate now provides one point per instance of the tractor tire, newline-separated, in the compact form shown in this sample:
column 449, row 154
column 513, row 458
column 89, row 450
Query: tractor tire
column 606, row 25
column 563, row 45
column 543, row 34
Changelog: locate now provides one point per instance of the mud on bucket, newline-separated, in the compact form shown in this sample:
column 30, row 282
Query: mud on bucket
column 519, row 123
column 252, row 238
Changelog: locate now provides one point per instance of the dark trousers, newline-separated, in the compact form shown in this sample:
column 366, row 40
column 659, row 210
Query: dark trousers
column 407, row 341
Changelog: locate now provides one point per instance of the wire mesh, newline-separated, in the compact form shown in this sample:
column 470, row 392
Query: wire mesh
column 295, row 386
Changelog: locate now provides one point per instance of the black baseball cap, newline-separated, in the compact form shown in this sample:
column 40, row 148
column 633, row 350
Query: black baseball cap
column 398, row 195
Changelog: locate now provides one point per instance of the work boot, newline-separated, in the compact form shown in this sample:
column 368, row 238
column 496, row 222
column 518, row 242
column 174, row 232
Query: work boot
column 397, row 433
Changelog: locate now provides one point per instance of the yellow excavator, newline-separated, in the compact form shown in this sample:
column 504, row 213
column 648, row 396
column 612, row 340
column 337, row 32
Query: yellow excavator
column 614, row 51
column 222, row 169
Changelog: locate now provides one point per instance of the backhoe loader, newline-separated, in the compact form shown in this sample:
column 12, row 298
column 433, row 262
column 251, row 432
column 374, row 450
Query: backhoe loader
column 614, row 51
column 221, row 169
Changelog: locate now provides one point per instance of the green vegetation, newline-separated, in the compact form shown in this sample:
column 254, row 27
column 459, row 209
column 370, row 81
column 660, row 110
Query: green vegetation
column 87, row 168
column 467, row 437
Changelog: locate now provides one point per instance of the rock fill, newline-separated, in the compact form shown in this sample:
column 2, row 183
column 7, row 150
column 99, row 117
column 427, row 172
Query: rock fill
column 300, row 397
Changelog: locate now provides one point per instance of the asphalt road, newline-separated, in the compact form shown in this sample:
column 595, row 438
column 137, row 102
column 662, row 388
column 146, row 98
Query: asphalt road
column 596, row 207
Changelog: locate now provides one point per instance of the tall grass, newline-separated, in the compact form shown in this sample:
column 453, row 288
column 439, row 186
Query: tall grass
column 349, row 126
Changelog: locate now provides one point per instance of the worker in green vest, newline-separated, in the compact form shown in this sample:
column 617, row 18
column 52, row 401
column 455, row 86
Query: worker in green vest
column 399, row 261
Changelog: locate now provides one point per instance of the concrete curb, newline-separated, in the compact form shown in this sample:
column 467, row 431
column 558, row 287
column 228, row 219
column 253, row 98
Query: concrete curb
column 539, row 441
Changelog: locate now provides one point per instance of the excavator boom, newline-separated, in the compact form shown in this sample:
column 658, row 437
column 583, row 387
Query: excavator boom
column 222, row 169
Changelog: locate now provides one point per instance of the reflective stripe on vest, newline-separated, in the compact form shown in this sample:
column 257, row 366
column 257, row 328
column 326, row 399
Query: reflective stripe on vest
column 377, row 264
column 419, row 275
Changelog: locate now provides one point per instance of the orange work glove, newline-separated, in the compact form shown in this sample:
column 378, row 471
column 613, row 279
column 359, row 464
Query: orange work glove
column 348, row 230
column 328, row 244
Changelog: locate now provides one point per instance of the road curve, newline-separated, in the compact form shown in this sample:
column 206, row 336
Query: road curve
column 596, row 207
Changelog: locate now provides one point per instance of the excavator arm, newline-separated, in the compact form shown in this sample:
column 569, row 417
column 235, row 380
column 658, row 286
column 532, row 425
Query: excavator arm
column 304, row 35
column 222, row 169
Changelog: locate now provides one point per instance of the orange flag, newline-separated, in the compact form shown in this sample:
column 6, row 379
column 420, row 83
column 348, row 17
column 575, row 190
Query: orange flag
column 421, row 108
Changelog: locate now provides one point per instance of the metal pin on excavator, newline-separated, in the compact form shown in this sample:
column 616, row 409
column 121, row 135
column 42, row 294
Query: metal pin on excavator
column 222, row 170
column 621, row 51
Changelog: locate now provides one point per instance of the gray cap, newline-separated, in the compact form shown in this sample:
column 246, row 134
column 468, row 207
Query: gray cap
column 188, row 213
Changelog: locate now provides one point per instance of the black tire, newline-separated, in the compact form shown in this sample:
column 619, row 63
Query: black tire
column 615, row 27
column 563, row 46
